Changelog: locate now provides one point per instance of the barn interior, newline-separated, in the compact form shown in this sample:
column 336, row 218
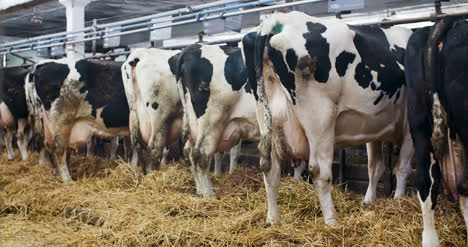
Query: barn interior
column 118, row 215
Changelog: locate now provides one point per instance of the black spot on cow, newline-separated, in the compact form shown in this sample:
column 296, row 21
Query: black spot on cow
column 291, row 59
column 83, row 89
column 134, row 62
column 286, row 77
column 317, row 46
column 103, row 81
column 369, row 41
column 195, row 73
column 342, row 61
column 48, row 79
column 155, row 105
column 147, row 104
column 12, row 90
column 234, row 69
column 249, row 42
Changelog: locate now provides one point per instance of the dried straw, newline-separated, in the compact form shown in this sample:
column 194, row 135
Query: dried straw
column 113, row 204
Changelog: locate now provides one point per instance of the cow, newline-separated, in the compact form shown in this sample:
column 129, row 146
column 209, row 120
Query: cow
column 436, row 63
column 155, row 105
column 14, row 111
column 322, row 84
column 76, row 100
column 218, row 105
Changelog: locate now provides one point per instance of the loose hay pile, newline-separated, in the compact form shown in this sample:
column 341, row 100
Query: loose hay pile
column 112, row 204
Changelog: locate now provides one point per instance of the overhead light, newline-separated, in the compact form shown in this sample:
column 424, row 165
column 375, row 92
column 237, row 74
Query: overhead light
column 36, row 20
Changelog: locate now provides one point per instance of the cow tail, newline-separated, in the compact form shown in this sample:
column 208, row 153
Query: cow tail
column 433, row 75
column 266, row 142
column 33, row 104
column 176, row 62
column 129, row 78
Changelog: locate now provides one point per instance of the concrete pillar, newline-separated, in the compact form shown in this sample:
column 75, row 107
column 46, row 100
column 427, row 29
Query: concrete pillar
column 75, row 10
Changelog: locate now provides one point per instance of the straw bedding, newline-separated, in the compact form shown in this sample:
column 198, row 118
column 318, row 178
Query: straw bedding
column 113, row 204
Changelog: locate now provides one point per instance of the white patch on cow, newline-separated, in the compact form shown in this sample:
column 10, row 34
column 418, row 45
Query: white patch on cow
column 401, row 66
column 382, row 65
column 429, row 235
column 397, row 36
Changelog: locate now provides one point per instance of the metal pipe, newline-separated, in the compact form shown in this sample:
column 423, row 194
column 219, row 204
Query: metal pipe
column 145, row 24
column 24, row 58
column 417, row 19
column 135, row 20
column 149, row 28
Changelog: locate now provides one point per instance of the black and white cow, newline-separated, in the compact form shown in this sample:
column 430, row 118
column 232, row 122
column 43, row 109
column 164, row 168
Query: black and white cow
column 154, row 100
column 218, row 105
column 14, row 110
column 155, row 107
column 436, row 63
column 76, row 100
column 324, row 84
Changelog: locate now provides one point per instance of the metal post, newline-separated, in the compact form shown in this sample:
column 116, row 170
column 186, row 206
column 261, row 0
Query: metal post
column 94, row 41
column 342, row 168
column 75, row 10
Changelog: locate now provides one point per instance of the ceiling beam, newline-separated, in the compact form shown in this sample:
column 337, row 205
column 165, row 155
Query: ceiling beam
column 24, row 6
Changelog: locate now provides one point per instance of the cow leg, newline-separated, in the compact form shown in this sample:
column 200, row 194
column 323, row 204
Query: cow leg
column 321, row 137
column 58, row 152
column 299, row 170
column 272, row 179
column 403, row 168
column 234, row 156
column 90, row 147
column 22, row 139
column 218, row 163
column 164, row 155
column 375, row 168
column 44, row 157
column 114, row 147
column 188, row 147
column 135, row 159
column 201, row 160
column 8, row 137
column 2, row 137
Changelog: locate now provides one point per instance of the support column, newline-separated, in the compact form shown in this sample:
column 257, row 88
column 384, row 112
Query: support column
column 75, row 10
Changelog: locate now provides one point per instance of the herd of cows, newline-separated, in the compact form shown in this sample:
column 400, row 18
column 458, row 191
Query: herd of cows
column 298, row 85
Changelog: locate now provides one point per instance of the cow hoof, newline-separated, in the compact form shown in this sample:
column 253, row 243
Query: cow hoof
column 331, row 222
column 430, row 239
column 271, row 221
column 66, row 179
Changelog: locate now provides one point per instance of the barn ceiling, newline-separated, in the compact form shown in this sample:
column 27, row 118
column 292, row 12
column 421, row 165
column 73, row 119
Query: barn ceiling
column 18, row 24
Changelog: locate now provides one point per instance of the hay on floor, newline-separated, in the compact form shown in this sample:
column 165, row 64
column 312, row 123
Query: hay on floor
column 112, row 204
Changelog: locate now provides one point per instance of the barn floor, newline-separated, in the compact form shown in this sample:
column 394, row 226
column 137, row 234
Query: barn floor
column 112, row 204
